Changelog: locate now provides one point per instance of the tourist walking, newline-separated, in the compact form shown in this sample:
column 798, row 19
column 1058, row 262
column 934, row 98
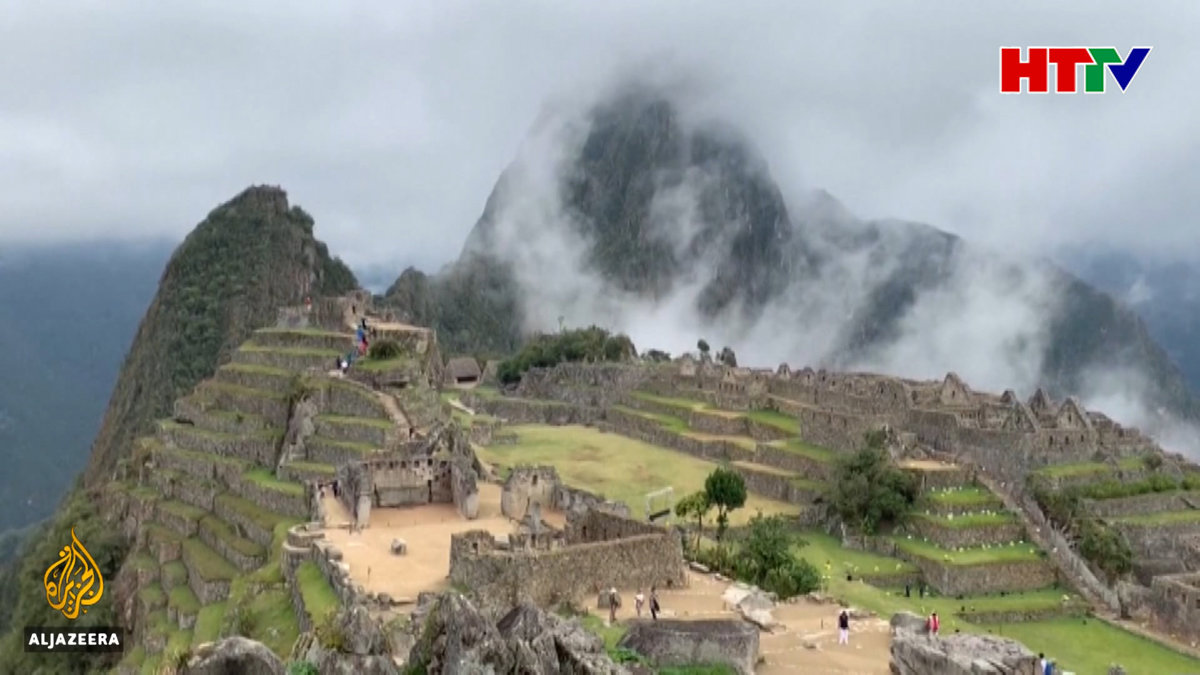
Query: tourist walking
column 654, row 608
column 934, row 624
column 614, row 601
column 844, row 628
column 1045, row 665
column 638, row 601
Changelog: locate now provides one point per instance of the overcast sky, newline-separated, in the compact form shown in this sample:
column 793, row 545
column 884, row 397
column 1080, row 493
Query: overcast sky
column 390, row 121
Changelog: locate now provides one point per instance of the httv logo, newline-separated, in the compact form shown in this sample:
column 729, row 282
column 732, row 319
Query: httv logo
column 1036, row 68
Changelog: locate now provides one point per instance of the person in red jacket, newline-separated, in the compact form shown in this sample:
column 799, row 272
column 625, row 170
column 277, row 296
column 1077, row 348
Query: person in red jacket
column 934, row 624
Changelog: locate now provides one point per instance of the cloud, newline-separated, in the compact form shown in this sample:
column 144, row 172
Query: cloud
column 391, row 122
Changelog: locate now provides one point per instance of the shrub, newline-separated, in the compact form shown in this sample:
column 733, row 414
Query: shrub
column 548, row 350
column 870, row 492
column 382, row 350
column 1106, row 548
column 329, row 633
column 302, row 668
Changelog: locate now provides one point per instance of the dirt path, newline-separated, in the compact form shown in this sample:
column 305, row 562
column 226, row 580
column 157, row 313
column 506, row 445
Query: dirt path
column 455, row 403
column 393, row 409
column 805, row 643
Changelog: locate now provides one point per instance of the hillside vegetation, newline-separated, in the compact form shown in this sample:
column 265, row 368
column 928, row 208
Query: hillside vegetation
column 247, row 258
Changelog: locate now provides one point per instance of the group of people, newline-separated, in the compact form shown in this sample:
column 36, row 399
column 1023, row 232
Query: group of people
column 639, row 601
column 932, row 625
column 361, row 343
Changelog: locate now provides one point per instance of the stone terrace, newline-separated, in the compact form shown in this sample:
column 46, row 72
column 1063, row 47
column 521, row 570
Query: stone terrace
column 221, row 482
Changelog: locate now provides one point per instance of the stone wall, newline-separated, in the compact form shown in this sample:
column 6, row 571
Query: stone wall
column 774, row 485
column 570, row 573
column 950, row 537
column 254, row 532
column 1175, row 605
column 260, row 448
column 527, row 485
column 592, row 385
column 782, row 458
column 464, row 489
column 278, row 501
column 208, row 591
column 572, row 500
column 1142, row 504
column 1160, row 540
column 530, row 411
column 983, row 579
column 349, row 399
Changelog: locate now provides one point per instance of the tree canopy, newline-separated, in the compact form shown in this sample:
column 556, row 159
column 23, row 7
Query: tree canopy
column 583, row 344
column 726, row 490
column 870, row 491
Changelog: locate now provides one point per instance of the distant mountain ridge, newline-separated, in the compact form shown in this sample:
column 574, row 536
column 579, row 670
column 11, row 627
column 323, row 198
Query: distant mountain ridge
column 639, row 219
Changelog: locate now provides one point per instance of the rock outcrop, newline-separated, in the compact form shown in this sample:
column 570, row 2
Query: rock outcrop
column 458, row 639
column 915, row 652
column 233, row 656
column 674, row 642
column 362, row 648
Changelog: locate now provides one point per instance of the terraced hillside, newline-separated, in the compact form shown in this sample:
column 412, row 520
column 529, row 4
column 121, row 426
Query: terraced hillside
column 210, row 496
column 1154, row 507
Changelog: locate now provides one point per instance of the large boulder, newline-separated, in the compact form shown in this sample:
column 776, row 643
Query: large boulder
column 674, row 642
column 916, row 652
column 233, row 656
column 457, row 639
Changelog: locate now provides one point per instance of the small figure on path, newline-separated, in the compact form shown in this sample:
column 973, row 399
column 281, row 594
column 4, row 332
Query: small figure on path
column 843, row 628
column 613, row 603
column 654, row 608
column 934, row 624
column 638, row 601
column 908, row 589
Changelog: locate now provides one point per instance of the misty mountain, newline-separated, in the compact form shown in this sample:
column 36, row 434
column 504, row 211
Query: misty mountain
column 67, row 316
column 1165, row 294
column 637, row 215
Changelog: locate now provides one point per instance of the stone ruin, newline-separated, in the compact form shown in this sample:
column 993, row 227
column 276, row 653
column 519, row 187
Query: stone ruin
column 914, row 653
column 527, row 485
column 596, row 550
column 439, row 469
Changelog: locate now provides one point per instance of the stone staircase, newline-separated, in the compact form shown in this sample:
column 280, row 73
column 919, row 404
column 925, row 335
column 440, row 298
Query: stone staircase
column 212, row 504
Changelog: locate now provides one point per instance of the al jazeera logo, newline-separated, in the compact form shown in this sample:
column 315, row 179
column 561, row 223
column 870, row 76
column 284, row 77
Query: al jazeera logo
column 73, row 584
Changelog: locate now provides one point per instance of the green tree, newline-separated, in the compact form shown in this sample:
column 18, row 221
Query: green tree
column 592, row 344
column 1106, row 548
column 695, row 505
column 766, row 558
column 869, row 491
column 728, row 357
column 725, row 490
column 702, row 345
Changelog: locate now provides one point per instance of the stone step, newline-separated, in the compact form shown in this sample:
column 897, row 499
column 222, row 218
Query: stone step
column 269, row 405
column 261, row 486
column 201, row 466
column 176, row 485
column 174, row 574
column 777, row 484
column 209, row 573
column 222, row 421
column 804, row 460
column 1157, row 535
column 151, row 598
column 297, row 359
column 967, row 499
column 180, row 518
column 223, row 538
column 373, row 431
column 976, row 571
column 260, row 447
column 182, row 607
column 970, row 530
column 304, row 338
column 346, row 398
column 302, row 472
column 164, row 543
column 254, row 376
column 327, row 451
column 933, row 475
column 1143, row 505
column 251, row 520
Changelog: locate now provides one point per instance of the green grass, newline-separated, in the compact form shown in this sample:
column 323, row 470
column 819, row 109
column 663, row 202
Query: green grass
column 384, row 365
column 351, row 446
column 317, row 332
column 970, row 556
column 208, row 624
column 611, row 635
column 174, row 573
column 258, row 368
column 1162, row 518
column 965, row 497
column 226, row 533
column 674, row 402
column 293, row 351
column 1090, row 646
column 319, row 597
column 206, row 457
column 274, row 619
column 970, row 519
column 150, row 664
column 153, row 596
column 183, row 600
column 774, row 418
column 364, row 421
column 209, row 564
column 314, row 467
column 182, row 510
column 265, row 519
column 145, row 493
column 621, row 468
column 156, row 533
column 141, row 562
column 245, row 391
column 269, row 434
column 678, row 426
column 266, row 479
column 1080, row 647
